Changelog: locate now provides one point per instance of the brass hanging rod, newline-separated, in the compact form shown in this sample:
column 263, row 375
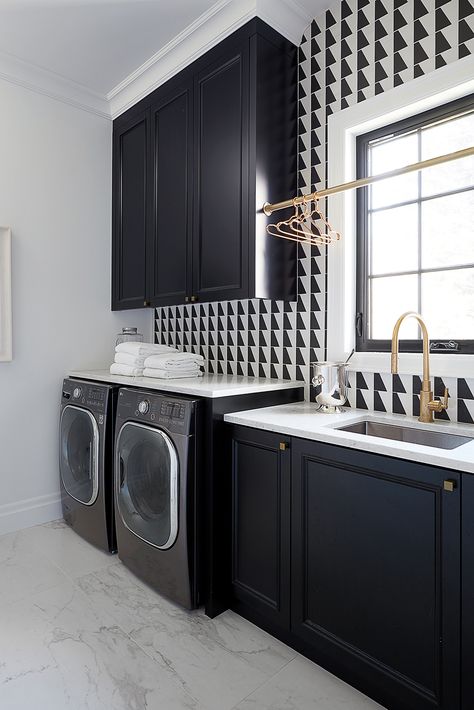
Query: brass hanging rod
column 361, row 182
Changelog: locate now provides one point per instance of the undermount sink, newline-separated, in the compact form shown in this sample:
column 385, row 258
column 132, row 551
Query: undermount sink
column 438, row 439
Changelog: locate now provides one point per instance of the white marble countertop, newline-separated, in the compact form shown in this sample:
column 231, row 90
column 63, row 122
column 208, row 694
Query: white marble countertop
column 302, row 420
column 206, row 386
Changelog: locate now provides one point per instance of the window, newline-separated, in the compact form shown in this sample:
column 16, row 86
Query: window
column 415, row 233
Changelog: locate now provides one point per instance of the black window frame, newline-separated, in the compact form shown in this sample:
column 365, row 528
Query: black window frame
column 363, row 343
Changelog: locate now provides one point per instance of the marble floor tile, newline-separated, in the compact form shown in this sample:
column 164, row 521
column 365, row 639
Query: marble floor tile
column 218, row 661
column 302, row 685
column 78, row 631
column 67, row 549
column 24, row 571
column 59, row 653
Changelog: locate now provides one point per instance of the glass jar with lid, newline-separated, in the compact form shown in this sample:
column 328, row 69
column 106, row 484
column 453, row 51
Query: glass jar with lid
column 129, row 335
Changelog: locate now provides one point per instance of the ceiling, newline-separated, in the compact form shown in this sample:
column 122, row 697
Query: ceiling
column 99, row 44
column 95, row 43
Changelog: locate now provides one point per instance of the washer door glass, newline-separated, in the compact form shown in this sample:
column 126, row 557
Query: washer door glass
column 147, row 484
column 79, row 454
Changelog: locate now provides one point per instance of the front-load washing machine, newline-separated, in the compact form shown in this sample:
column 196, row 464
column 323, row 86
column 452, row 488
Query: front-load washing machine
column 157, row 462
column 86, row 440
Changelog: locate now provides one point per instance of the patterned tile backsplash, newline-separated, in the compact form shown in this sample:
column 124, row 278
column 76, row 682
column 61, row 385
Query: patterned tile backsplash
column 353, row 51
column 400, row 394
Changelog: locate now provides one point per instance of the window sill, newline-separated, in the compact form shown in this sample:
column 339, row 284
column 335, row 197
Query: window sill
column 441, row 364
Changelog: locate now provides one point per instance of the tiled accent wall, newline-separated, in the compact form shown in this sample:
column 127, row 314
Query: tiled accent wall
column 400, row 394
column 355, row 50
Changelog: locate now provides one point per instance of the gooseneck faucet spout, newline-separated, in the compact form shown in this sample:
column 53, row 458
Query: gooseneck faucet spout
column 427, row 404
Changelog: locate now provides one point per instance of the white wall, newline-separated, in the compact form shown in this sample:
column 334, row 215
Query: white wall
column 55, row 193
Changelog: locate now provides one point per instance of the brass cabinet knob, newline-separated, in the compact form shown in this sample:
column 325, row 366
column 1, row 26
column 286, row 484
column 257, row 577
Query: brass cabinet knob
column 186, row 299
column 284, row 446
column 449, row 485
column 146, row 303
column 194, row 299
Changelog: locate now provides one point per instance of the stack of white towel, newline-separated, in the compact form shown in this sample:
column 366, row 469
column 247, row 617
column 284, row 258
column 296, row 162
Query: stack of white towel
column 134, row 359
column 168, row 365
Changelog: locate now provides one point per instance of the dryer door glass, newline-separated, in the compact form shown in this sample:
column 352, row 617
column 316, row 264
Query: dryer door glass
column 79, row 454
column 147, row 484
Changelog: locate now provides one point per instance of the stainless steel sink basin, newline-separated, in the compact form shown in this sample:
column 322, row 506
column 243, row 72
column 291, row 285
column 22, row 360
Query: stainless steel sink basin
column 438, row 439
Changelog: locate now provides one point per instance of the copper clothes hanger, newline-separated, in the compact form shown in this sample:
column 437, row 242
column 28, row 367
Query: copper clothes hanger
column 306, row 226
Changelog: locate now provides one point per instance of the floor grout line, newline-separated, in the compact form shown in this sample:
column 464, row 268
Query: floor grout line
column 265, row 682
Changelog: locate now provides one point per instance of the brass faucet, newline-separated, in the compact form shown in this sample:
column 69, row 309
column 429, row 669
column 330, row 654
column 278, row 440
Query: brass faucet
column 427, row 404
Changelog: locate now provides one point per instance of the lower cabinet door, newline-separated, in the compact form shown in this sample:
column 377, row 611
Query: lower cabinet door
column 467, row 595
column 261, row 524
column 375, row 573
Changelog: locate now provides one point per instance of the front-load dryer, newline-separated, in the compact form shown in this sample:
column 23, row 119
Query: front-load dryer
column 157, row 489
column 86, row 440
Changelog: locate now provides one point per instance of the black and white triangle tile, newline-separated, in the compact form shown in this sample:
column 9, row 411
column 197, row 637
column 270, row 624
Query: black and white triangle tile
column 400, row 394
column 352, row 51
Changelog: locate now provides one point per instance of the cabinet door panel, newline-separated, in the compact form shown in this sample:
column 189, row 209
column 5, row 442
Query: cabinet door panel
column 221, row 213
column 171, row 138
column 260, row 524
column 130, row 213
column 370, row 560
column 467, row 591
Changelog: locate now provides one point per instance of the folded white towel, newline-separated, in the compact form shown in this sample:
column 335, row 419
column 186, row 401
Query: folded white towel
column 128, row 370
column 127, row 359
column 172, row 361
column 169, row 374
column 143, row 349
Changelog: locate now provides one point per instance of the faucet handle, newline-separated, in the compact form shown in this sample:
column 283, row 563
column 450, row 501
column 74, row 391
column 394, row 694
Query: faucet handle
column 439, row 405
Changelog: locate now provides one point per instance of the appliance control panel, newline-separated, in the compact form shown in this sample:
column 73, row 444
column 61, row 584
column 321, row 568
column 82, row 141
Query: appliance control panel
column 160, row 410
column 85, row 394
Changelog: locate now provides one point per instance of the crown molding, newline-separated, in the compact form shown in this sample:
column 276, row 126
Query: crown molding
column 288, row 17
column 41, row 81
column 209, row 29
column 223, row 18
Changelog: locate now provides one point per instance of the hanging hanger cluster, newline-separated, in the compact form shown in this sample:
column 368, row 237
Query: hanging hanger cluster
column 309, row 226
column 306, row 225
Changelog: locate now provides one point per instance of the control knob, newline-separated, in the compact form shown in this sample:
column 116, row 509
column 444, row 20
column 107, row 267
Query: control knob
column 144, row 406
column 77, row 392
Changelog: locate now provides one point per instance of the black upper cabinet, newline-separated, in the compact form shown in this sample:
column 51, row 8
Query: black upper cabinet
column 214, row 143
column 170, row 250
column 130, row 212
column 221, row 214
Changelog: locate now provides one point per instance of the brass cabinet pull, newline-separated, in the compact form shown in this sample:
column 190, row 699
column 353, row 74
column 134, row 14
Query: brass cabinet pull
column 186, row 299
column 449, row 485
column 194, row 299
column 284, row 446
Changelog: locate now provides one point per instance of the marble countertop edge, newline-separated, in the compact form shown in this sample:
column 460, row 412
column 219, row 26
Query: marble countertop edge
column 210, row 386
column 302, row 420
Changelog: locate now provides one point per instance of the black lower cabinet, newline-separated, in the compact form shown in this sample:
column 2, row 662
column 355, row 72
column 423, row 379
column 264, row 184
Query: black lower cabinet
column 467, row 579
column 261, row 523
column 375, row 575
column 375, row 564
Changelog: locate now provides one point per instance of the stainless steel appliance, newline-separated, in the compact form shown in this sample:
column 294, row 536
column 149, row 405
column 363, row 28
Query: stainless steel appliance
column 86, row 460
column 157, row 464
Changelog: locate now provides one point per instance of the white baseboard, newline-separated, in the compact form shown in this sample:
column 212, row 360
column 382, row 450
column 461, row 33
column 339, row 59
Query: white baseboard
column 29, row 512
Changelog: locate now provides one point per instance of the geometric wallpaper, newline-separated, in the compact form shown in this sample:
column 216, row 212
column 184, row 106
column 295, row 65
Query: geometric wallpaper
column 354, row 50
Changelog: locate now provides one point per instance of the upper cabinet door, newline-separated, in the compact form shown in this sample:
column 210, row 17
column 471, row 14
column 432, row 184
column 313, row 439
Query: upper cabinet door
column 130, row 212
column 170, row 273
column 221, row 240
